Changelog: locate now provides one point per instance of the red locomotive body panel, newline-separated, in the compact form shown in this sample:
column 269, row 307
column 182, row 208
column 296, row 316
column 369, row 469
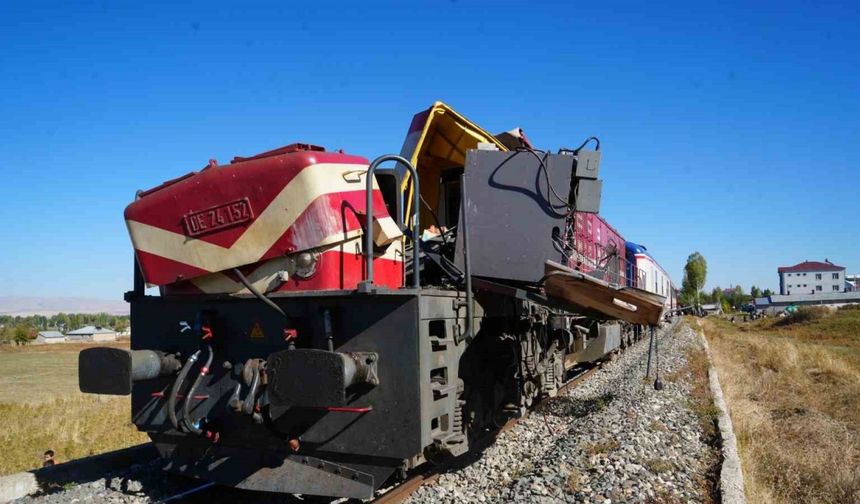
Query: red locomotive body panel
column 254, row 214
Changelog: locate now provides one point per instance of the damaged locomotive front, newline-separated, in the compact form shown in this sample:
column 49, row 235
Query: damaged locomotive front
column 311, row 336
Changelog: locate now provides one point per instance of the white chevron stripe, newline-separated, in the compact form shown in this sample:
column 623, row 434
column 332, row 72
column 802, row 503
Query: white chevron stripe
column 265, row 278
column 308, row 185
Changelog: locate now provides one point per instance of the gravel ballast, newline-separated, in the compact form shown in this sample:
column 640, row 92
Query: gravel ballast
column 611, row 438
column 146, row 484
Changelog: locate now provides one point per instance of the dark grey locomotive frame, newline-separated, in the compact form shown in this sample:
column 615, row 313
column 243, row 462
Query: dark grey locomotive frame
column 418, row 407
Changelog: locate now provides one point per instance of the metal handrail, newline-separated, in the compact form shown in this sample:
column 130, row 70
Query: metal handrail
column 368, row 235
column 467, row 261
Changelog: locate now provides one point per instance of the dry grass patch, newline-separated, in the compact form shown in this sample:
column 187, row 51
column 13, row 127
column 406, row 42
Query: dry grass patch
column 701, row 403
column 38, row 373
column 657, row 466
column 657, row 426
column 664, row 497
column 573, row 479
column 41, row 409
column 73, row 428
column 602, row 447
column 793, row 390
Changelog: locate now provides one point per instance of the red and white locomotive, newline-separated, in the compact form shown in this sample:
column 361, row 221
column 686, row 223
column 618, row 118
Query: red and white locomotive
column 323, row 326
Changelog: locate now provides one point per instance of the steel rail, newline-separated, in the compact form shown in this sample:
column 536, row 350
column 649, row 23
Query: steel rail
column 186, row 493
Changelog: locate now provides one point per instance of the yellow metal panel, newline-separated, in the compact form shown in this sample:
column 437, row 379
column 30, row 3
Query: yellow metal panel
column 442, row 144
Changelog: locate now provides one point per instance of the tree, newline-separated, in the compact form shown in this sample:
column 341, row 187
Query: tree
column 737, row 297
column 22, row 335
column 755, row 292
column 767, row 293
column 716, row 295
column 695, row 272
column 120, row 325
column 64, row 321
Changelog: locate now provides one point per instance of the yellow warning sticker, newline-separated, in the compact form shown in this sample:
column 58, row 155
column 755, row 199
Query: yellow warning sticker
column 257, row 332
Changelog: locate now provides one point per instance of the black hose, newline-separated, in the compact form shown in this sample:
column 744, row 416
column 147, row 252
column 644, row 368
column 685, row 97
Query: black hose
column 171, row 401
column 564, row 203
column 576, row 150
column 257, row 293
column 248, row 404
column 186, row 405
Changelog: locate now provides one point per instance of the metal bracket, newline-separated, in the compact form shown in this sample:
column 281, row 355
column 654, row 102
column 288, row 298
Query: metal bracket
column 368, row 362
column 335, row 469
column 366, row 287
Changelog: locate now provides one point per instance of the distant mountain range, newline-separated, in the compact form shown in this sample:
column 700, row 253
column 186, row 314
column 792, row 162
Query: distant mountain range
column 24, row 306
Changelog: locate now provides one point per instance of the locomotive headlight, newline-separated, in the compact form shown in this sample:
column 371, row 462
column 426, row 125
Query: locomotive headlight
column 306, row 264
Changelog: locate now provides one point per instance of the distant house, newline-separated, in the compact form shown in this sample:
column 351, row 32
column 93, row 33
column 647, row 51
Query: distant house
column 761, row 303
column 779, row 303
column 712, row 309
column 852, row 283
column 50, row 337
column 811, row 277
column 92, row 333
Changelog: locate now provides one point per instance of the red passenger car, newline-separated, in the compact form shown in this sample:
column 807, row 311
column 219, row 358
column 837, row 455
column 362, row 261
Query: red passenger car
column 599, row 248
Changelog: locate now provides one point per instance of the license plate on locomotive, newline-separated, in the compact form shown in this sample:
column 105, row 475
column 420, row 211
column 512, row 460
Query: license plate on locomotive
column 218, row 217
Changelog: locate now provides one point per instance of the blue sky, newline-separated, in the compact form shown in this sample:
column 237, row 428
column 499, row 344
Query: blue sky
column 730, row 129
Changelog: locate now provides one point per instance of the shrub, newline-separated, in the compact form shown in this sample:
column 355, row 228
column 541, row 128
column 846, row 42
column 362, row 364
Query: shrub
column 805, row 314
column 22, row 335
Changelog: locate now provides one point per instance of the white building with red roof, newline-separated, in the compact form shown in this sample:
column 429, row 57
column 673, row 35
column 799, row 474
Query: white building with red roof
column 811, row 277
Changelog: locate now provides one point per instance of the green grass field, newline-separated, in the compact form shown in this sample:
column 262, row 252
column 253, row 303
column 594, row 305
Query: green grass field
column 41, row 408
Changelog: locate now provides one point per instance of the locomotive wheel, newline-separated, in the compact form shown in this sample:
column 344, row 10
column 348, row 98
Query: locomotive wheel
column 530, row 391
column 558, row 362
column 554, row 372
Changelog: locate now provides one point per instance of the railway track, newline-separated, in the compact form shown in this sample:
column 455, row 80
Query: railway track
column 402, row 492
column 107, row 466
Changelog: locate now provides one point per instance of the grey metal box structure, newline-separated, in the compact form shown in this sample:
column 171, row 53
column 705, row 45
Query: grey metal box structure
column 588, row 195
column 588, row 164
column 514, row 216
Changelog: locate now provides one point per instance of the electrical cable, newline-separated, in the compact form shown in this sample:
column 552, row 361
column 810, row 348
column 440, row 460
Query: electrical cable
column 559, row 247
column 177, row 384
column 186, row 405
column 257, row 293
column 551, row 188
column 457, row 274
column 571, row 207
column 435, row 218
column 576, row 150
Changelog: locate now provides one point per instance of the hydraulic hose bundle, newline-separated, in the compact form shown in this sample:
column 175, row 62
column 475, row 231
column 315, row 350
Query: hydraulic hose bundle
column 177, row 384
column 185, row 423
column 192, row 426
